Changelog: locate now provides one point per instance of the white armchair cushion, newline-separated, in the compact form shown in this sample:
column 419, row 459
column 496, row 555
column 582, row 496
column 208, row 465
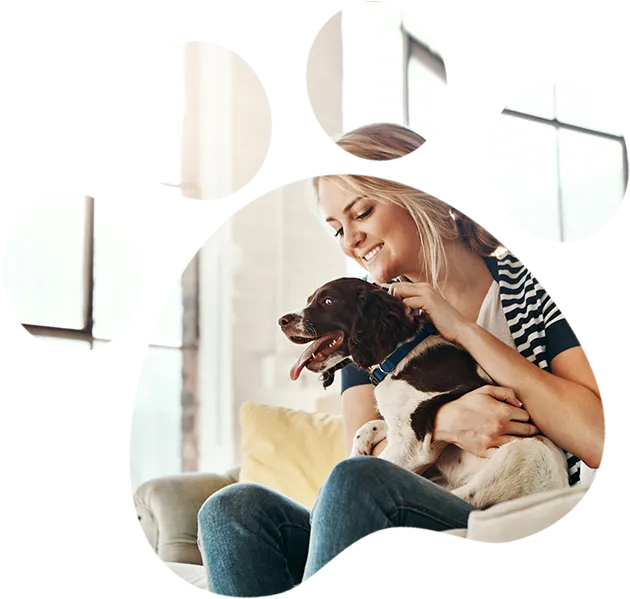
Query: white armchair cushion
column 523, row 517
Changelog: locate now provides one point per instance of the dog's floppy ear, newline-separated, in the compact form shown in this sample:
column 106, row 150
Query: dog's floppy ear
column 328, row 377
column 379, row 323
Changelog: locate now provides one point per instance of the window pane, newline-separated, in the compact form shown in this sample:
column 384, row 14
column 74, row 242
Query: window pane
column 156, row 112
column 421, row 23
column 44, row 264
column 592, row 182
column 537, row 101
column 590, row 108
column 371, row 62
column 156, row 435
column 426, row 89
column 526, row 168
column 118, row 284
column 117, row 274
column 65, row 344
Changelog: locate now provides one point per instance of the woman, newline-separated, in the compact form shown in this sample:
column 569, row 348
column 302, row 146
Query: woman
column 256, row 542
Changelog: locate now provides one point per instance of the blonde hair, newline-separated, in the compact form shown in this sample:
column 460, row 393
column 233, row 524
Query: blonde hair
column 436, row 222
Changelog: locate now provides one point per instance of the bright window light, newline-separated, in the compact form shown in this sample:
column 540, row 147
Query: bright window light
column 590, row 108
column 426, row 89
column 117, row 274
column 526, row 170
column 156, row 434
column 592, row 182
column 537, row 101
column 44, row 263
column 373, row 76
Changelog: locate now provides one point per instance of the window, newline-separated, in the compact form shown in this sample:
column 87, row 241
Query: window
column 426, row 79
column 426, row 87
column 165, row 432
column 372, row 80
column 561, row 162
column 74, row 279
column 72, row 274
column 46, row 271
column 403, row 63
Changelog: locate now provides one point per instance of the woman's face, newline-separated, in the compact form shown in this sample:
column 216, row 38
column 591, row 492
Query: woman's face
column 379, row 236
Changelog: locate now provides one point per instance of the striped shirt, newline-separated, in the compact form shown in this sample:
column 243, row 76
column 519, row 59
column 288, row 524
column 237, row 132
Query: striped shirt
column 538, row 328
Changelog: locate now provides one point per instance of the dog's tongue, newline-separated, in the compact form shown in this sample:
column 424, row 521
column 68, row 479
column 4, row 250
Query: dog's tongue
column 304, row 359
column 307, row 355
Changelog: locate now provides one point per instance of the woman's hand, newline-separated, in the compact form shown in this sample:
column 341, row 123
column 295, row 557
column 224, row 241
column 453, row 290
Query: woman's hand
column 483, row 420
column 378, row 448
column 448, row 321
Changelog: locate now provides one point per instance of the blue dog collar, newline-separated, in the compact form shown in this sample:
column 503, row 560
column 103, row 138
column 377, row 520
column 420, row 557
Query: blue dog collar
column 387, row 366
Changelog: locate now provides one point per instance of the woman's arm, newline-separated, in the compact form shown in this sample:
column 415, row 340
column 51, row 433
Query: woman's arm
column 565, row 405
column 358, row 406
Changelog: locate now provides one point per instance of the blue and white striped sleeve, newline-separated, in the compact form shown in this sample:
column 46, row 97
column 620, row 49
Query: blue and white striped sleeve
column 558, row 333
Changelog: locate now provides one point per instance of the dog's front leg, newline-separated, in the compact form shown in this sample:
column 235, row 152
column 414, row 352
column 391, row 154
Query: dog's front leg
column 368, row 437
column 404, row 450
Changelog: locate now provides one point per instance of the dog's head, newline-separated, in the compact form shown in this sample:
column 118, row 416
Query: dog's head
column 347, row 318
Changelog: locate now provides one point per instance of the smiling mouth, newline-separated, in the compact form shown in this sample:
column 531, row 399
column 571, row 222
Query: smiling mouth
column 372, row 253
column 316, row 352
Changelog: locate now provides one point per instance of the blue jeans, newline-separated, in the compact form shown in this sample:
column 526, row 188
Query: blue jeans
column 256, row 542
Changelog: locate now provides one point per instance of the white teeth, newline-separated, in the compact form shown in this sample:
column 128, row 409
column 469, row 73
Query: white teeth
column 373, row 253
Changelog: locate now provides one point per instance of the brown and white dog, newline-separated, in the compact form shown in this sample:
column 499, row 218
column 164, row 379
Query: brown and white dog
column 352, row 320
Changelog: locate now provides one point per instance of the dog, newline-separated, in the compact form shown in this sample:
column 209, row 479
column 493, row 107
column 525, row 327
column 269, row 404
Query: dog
column 416, row 371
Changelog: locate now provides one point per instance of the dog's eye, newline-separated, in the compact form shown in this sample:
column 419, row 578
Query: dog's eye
column 328, row 301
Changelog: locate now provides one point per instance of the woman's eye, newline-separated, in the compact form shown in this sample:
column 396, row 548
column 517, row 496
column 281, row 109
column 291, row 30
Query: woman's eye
column 358, row 217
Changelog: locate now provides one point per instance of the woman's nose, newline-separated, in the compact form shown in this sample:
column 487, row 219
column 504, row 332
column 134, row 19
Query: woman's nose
column 352, row 238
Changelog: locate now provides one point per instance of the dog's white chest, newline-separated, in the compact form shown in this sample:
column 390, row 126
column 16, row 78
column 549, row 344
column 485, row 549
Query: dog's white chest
column 397, row 400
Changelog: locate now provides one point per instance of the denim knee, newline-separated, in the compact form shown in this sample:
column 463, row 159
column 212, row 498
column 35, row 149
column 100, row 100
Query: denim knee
column 238, row 502
column 350, row 477
column 355, row 471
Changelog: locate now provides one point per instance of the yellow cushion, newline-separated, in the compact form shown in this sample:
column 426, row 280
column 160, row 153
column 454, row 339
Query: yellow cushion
column 291, row 451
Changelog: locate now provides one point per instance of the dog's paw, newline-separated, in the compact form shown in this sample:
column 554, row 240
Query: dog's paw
column 367, row 437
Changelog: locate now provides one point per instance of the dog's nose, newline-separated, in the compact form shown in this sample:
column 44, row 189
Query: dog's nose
column 286, row 320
